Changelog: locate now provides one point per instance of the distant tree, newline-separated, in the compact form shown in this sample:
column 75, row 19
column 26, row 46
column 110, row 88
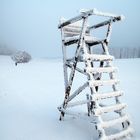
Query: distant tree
column 4, row 50
column 139, row 53
column 21, row 57
column 125, row 52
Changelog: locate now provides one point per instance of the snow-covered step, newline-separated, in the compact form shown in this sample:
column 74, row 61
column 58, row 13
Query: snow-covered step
column 103, row 82
column 111, row 108
column 99, row 96
column 114, row 122
column 90, row 40
column 101, row 70
column 97, row 57
column 121, row 135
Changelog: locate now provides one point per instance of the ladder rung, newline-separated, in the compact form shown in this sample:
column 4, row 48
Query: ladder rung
column 111, row 108
column 101, row 70
column 123, row 134
column 73, row 37
column 114, row 122
column 96, row 97
column 99, row 96
column 103, row 82
column 97, row 57
column 92, row 40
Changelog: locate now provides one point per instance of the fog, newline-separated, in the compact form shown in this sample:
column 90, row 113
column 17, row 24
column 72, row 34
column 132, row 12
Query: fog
column 31, row 25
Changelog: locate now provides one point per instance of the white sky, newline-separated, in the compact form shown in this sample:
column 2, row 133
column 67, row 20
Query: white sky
column 31, row 25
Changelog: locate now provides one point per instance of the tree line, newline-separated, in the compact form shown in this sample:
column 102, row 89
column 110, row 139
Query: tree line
column 125, row 52
column 121, row 52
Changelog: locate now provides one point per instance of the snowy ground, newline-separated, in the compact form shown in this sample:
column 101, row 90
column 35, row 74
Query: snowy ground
column 30, row 94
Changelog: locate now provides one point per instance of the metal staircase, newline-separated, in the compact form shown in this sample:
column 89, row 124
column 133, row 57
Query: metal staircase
column 76, row 31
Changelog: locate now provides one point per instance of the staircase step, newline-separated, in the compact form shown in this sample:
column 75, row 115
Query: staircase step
column 114, row 122
column 101, row 70
column 121, row 135
column 92, row 40
column 111, row 108
column 97, row 57
column 103, row 82
column 99, row 96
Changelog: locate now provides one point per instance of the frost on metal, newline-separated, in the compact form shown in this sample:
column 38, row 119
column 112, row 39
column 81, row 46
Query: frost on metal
column 99, row 71
column 21, row 57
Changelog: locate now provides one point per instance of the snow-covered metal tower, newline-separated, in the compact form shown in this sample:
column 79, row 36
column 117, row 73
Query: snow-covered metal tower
column 101, row 85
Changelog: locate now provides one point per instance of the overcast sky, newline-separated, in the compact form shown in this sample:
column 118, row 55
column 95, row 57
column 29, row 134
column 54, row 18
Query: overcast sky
column 31, row 25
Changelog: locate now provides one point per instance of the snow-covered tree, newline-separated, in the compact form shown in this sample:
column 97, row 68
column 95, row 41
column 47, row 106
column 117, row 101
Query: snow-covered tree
column 21, row 57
